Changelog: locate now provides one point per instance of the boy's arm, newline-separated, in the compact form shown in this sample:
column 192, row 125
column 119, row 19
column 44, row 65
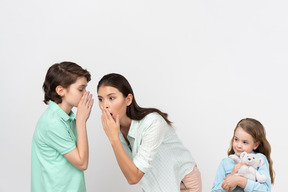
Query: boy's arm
column 80, row 155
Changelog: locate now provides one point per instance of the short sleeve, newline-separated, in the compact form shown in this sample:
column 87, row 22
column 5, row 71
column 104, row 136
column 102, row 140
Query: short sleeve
column 59, row 137
column 153, row 136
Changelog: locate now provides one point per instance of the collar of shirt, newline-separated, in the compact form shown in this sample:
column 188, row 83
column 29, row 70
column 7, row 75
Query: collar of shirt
column 60, row 112
column 132, row 134
column 132, row 131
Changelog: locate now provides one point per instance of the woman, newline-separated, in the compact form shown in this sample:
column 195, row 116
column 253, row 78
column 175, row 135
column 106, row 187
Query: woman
column 146, row 146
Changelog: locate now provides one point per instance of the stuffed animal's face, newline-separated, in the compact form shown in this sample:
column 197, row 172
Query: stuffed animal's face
column 251, row 159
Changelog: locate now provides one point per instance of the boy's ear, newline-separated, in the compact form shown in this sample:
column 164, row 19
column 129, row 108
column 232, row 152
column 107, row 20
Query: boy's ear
column 60, row 90
column 129, row 99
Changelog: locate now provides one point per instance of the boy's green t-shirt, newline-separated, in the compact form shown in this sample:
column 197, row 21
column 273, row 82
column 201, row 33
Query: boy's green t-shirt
column 54, row 136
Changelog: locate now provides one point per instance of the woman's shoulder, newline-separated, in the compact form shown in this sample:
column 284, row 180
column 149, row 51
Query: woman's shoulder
column 151, row 117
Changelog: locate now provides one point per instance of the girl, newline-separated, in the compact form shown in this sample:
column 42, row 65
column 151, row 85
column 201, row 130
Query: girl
column 249, row 136
column 146, row 146
column 60, row 145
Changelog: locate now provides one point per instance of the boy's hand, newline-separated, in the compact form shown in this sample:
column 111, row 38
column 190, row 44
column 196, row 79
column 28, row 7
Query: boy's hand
column 84, row 107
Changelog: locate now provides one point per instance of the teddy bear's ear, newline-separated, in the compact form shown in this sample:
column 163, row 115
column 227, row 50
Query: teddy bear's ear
column 242, row 155
column 260, row 162
column 235, row 158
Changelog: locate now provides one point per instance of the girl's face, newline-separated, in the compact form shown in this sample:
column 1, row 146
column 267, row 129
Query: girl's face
column 73, row 94
column 243, row 142
column 113, row 100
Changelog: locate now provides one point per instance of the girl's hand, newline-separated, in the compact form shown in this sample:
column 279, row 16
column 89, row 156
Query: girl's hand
column 230, row 182
column 84, row 107
column 237, row 167
column 233, row 181
column 110, row 126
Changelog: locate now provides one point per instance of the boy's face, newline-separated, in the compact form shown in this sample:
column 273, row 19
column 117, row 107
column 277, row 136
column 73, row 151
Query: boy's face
column 74, row 92
column 243, row 142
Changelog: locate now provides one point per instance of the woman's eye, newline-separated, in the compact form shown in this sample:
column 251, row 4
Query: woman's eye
column 112, row 98
column 100, row 99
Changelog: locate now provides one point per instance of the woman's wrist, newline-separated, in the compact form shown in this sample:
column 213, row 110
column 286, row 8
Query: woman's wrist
column 115, row 141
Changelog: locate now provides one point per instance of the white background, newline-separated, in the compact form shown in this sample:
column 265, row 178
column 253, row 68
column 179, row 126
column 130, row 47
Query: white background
column 206, row 63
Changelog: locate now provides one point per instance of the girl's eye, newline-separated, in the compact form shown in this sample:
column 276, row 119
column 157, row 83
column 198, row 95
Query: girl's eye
column 81, row 90
column 100, row 99
column 112, row 98
column 245, row 142
column 235, row 139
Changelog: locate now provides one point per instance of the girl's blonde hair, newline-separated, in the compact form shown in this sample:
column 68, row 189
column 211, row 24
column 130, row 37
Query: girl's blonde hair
column 257, row 131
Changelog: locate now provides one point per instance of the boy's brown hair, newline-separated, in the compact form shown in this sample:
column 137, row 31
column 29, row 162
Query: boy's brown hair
column 63, row 74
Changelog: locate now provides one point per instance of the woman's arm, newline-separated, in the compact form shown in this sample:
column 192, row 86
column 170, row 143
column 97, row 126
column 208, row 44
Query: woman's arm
column 112, row 129
column 130, row 171
column 80, row 155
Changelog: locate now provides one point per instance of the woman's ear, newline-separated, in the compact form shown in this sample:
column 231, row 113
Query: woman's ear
column 129, row 99
column 60, row 90
column 256, row 144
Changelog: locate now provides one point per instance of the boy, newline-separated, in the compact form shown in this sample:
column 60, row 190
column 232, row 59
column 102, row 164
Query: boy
column 60, row 146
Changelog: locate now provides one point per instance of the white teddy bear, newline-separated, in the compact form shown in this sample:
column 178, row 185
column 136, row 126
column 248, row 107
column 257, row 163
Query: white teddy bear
column 250, row 171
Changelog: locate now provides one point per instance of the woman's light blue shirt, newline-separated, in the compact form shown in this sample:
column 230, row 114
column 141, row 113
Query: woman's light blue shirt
column 156, row 150
column 225, row 168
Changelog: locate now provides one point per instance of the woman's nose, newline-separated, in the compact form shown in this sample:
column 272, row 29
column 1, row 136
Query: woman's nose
column 105, row 104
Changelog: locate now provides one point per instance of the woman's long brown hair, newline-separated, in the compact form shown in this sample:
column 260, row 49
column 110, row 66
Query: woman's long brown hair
column 134, row 111
column 257, row 131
